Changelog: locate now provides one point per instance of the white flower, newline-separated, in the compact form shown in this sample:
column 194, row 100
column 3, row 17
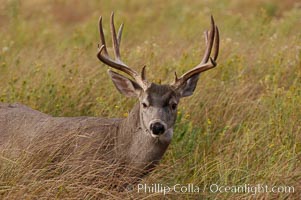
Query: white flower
column 5, row 49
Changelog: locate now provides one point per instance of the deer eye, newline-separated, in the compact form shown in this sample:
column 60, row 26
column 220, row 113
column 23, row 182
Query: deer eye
column 144, row 105
column 173, row 106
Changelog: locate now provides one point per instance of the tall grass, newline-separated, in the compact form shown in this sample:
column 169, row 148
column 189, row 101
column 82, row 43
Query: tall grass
column 242, row 125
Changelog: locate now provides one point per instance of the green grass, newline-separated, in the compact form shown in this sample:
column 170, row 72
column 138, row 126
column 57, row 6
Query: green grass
column 241, row 126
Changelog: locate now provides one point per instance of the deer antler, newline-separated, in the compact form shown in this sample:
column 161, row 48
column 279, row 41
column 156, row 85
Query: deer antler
column 207, row 61
column 104, row 57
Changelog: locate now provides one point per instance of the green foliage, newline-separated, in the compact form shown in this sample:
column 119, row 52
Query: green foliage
column 242, row 126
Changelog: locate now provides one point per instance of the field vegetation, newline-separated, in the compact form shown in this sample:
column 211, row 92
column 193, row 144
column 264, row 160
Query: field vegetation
column 241, row 126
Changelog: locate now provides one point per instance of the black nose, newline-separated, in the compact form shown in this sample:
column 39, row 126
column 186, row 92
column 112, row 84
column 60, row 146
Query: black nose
column 157, row 128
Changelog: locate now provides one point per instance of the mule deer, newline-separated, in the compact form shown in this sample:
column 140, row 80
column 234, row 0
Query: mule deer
column 141, row 139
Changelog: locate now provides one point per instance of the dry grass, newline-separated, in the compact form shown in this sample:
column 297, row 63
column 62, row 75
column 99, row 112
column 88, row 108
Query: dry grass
column 242, row 126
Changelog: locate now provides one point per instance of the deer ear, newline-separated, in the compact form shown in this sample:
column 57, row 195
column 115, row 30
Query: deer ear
column 188, row 88
column 124, row 85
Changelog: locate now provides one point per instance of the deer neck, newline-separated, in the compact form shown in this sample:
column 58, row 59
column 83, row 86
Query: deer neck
column 131, row 125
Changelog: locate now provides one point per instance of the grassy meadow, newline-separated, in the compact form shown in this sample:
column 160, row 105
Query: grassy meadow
column 241, row 126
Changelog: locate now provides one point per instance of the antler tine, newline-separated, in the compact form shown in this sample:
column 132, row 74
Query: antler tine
column 115, row 41
column 216, row 46
column 176, row 77
column 103, row 55
column 102, row 37
column 207, row 62
column 143, row 73
column 209, row 42
column 119, row 34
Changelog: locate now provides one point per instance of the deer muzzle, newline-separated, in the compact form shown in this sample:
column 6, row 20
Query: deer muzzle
column 157, row 127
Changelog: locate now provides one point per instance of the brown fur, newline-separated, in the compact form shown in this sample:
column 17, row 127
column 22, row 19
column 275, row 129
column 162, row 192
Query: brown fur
column 121, row 140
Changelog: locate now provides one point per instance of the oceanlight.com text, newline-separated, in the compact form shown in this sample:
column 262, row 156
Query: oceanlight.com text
column 251, row 189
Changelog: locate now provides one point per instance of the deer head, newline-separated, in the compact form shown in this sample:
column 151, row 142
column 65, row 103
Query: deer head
column 158, row 103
